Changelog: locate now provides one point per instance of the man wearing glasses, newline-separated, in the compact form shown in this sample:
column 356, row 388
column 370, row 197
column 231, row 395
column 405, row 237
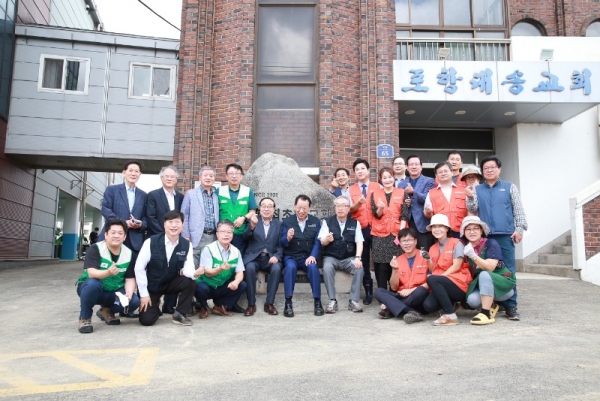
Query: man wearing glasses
column 264, row 253
column 342, row 241
column 236, row 204
column 220, row 276
column 499, row 205
column 399, row 168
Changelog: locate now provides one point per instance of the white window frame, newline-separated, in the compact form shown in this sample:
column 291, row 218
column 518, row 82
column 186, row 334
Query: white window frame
column 43, row 57
column 172, row 81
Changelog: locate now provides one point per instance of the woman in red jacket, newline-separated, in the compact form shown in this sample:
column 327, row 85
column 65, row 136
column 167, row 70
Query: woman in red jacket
column 390, row 215
column 450, row 275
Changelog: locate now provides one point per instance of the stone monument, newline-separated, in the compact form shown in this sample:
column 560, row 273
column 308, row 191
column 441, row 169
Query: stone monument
column 280, row 178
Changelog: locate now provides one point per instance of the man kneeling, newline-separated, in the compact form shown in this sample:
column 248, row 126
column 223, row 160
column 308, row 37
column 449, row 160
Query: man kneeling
column 408, row 281
column 165, row 265
column 342, row 241
column 221, row 273
column 108, row 270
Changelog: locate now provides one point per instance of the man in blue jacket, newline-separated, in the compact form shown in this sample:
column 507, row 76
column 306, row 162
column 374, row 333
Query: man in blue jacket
column 417, row 187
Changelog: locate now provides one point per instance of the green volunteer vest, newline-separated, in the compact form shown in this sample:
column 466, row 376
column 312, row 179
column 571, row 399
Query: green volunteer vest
column 221, row 278
column 229, row 211
column 110, row 283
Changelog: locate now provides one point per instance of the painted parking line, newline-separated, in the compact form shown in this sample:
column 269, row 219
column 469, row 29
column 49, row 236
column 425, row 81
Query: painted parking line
column 18, row 384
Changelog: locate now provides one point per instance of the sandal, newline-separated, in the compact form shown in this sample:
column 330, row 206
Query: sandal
column 493, row 310
column 480, row 320
column 445, row 320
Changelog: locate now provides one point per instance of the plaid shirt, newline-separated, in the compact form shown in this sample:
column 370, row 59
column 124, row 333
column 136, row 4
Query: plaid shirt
column 209, row 210
column 518, row 211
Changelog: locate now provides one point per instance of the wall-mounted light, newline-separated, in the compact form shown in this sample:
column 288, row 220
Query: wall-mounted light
column 443, row 52
column 460, row 112
column 509, row 113
column 546, row 54
column 409, row 112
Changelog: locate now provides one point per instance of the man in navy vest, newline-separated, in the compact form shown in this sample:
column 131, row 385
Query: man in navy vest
column 299, row 238
column 342, row 241
column 165, row 265
column 499, row 205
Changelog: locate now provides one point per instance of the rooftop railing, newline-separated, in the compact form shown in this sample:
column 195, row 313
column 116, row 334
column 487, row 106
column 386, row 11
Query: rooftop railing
column 460, row 49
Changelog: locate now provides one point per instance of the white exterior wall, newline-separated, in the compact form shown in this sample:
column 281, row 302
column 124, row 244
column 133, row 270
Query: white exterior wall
column 551, row 163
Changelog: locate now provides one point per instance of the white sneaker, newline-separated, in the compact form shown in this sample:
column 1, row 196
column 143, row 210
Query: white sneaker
column 354, row 306
column 332, row 306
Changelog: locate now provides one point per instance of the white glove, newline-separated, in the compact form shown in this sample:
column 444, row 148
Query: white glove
column 124, row 301
column 469, row 251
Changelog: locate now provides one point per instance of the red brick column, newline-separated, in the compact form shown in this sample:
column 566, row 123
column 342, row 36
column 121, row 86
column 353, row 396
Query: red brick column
column 591, row 227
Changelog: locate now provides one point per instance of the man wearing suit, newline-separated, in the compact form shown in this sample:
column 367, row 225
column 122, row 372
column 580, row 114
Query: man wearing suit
column 162, row 200
column 200, row 208
column 159, row 202
column 263, row 252
column 128, row 203
column 418, row 186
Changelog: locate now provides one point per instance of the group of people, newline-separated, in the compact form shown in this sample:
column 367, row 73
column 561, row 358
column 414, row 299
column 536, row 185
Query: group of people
column 211, row 243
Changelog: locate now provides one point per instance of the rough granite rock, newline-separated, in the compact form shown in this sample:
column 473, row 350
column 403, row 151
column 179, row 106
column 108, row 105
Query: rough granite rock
column 280, row 178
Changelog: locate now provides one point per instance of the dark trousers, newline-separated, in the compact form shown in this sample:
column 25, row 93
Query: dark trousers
column 444, row 293
column 399, row 305
column 91, row 293
column 292, row 265
column 424, row 240
column 179, row 285
column 261, row 263
column 239, row 243
column 221, row 296
column 508, row 254
column 366, row 258
column 383, row 272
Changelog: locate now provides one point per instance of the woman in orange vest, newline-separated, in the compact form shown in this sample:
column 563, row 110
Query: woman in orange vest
column 450, row 275
column 390, row 215
column 447, row 198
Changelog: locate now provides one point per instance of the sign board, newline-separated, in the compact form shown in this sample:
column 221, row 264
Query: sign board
column 385, row 151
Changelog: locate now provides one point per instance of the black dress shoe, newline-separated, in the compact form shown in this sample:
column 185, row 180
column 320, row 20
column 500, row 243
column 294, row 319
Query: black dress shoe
column 319, row 311
column 289, row 311
column 168, row 310
column 238, row 309
column 130, row 315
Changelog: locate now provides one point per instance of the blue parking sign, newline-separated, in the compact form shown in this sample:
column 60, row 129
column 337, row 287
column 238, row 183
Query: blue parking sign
column 385, row 151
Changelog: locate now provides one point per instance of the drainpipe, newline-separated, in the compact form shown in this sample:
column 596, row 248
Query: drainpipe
column 92, row 9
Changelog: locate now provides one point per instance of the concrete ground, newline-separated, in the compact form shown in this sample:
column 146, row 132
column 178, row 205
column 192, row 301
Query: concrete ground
column 553, row 353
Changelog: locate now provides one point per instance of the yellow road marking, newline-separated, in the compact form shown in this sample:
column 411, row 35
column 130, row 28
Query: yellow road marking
column 141, row 373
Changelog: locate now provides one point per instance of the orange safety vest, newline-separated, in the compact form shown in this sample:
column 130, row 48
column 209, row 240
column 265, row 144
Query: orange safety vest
column 405, row 278
column 443, row 262
column 363, row 214
column 389, row 222
column 459, row 183
column 456, row 209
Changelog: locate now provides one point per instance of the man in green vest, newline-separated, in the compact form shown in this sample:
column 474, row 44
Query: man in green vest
column 220, row 276
column 108, row 270
column 236, row 204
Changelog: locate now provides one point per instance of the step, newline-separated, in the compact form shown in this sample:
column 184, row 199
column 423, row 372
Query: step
column 565, row 249
column 569, row 240
column 556, row 259
column 551, row 270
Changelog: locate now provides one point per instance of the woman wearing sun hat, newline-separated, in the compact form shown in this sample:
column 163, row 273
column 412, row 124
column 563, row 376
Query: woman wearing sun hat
column 493, row 281
column 450, row 275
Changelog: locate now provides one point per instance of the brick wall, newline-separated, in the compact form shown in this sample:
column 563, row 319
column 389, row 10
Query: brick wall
column 591, row 227
column 569, row 19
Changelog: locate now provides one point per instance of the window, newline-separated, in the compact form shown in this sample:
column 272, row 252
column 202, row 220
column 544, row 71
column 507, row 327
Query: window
column 150, row 81
column 7, row 41
column 285, row 118
column 64, row 74
column 593, row 29
column 451, row 13
column 524, row 28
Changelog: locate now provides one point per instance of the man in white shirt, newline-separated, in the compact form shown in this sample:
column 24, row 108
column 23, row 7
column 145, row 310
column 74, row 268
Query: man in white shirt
column 165, row 265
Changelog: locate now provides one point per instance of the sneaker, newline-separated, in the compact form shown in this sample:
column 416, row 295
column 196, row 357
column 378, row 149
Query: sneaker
column 178, row 318
column 332, row 306
column 512, row 314
column 445, row 320
column 385, row 314
column 382, row 307
column 85, row 326
column 412, row 317
column 354, row 306
column 107, row 316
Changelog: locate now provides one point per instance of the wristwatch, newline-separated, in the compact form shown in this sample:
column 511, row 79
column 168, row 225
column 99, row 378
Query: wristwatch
column 357, row 257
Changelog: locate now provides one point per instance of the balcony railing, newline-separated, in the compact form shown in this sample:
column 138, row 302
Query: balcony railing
column 460, row 49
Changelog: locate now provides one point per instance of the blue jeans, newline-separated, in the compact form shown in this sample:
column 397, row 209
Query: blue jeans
column 91, row 293
column 289, row 275
column 221, row 296
column 508, row 254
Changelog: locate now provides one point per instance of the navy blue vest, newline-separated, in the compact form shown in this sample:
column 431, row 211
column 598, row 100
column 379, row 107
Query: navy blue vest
column 343, row 245
column 301, row 245
column 495, row 207
column 160, row 271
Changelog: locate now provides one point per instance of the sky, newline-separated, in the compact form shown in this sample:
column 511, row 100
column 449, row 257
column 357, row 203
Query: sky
column 130, row 16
